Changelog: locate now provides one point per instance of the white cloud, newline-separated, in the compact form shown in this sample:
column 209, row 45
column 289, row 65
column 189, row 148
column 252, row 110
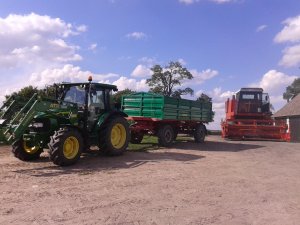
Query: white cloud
column 189, row 2
column 200, row 77
column 275, row 83
column 136, row 35
column 290, row 32
column 218, row 97
column 133, row 84
column 141, row 71
column 68, row 73
column 291, row 56
column 32, row 45
column 93, row 46
column 35, row 39
column 81, row 28
column 182, row 62
column 222, row 1
column 148, row 60
column 261, row 28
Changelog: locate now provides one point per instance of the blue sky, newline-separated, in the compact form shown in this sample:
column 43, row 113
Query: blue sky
column 226, row 44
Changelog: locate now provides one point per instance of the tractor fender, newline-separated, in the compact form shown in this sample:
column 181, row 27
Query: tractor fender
column 106, row 116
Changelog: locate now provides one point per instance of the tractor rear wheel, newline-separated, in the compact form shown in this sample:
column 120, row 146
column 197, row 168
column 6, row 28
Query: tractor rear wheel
column 24, row 151
column 200, row 132
column 165, row 135
column 114, row 136
column 65, row 146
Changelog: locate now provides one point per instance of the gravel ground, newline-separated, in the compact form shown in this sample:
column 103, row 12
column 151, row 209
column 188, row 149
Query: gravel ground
column 217, row 182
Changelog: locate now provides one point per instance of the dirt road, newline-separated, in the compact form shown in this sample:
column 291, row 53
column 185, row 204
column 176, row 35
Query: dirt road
column 217, row 182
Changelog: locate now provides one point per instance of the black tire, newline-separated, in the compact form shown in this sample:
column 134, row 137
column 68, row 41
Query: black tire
column 114, row 136
column 19, row 151
column 66, row 146
column 165, row 135
column 199, row 134
column 175, row 134
column 136, row 138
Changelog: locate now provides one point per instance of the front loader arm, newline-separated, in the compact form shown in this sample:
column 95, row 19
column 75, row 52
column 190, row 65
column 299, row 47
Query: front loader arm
column 18, row 125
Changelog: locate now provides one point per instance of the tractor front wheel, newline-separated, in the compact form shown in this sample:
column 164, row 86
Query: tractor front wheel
column 65, row 146
column 24, row 151
column 114, row 136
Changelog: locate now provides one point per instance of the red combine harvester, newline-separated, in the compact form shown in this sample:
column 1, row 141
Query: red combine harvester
column 248, row 116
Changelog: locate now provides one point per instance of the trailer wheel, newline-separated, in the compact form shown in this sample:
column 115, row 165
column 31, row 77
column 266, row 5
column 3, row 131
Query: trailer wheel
column 200, row 133
column 165, row 135
column 65, row 146
column 25, row 152
column 114, row 136
column 136, row 138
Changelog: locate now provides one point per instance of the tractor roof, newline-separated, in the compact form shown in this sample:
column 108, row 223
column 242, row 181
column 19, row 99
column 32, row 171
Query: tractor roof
column 106, row 86
column 252, row 89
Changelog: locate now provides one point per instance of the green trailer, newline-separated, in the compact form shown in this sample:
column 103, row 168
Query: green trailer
column 166, row 117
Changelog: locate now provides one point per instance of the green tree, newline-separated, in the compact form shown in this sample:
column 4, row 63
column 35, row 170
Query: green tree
column 164, row 81
column 117, row 97
column 292, row 90
column 27, row 92
column 204, row 98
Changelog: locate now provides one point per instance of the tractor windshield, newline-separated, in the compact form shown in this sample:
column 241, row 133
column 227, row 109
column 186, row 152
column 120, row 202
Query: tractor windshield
column 75, row 94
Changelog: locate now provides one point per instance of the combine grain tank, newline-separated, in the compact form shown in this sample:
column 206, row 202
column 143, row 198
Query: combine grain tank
column 165, row 117
column 248, row 116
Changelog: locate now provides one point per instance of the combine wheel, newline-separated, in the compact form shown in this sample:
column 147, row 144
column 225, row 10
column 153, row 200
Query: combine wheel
column 65, row 146
column 114, row 136
column 200, row 133
column 136, row 138
column 24, row 151
column 165, row 135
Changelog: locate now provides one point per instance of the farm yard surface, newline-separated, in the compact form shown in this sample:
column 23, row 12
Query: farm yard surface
column 217, row 182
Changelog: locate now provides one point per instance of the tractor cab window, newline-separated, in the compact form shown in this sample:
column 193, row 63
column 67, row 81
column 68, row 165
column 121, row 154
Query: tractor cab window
column 96, row 106
column 75, row 94
column 96, row 99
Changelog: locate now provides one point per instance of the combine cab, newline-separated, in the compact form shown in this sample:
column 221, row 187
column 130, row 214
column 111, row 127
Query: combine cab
column 248, row 116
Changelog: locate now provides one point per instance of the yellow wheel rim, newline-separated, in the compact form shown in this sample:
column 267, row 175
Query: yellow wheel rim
column 30, row 150
column 118, row 136
column 71, row 147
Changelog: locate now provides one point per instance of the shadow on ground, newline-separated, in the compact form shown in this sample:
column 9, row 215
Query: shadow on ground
column 215, row 146
column 94, row 162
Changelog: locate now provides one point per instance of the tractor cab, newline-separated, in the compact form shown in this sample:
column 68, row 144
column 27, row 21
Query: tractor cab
column 92, row 99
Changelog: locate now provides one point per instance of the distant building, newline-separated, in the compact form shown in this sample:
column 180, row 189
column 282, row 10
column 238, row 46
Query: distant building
column 291, row 113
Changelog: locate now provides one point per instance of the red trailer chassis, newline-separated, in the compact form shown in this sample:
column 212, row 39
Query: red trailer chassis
column 165, row 130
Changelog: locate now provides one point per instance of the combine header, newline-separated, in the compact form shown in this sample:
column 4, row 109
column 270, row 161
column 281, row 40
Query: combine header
column 248, row 116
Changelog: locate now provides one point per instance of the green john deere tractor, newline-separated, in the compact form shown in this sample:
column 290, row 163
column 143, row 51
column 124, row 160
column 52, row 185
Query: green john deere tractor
column 82, row 115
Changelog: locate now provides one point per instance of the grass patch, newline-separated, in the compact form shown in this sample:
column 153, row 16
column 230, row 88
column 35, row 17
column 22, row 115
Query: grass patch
column 151, row 143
